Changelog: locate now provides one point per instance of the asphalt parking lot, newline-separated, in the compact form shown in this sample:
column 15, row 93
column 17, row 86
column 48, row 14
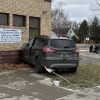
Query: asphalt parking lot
column 25, row 84
column 89, row 58
column 86, row 57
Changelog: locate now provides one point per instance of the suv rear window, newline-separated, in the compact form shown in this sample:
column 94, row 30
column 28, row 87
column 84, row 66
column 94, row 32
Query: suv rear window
column 62, row 43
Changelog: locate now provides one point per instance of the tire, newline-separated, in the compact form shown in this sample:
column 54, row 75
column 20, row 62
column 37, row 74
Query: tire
column 38, row 68
column 73, row 70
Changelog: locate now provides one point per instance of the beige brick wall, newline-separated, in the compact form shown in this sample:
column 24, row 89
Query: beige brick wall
column 28, row 8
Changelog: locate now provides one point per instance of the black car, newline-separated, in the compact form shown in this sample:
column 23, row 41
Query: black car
column 54, row 53
column 95, row 48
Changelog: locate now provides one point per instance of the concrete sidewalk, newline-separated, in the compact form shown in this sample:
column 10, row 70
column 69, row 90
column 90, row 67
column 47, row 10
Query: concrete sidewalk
column 27, row 85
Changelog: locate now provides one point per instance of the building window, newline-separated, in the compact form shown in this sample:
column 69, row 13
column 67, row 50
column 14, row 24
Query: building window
column 48, row 0
column 4, row 19
column 34, row 26
column 19, row 20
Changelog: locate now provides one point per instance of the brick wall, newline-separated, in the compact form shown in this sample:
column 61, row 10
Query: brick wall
column 28, row 8
column 9, row 57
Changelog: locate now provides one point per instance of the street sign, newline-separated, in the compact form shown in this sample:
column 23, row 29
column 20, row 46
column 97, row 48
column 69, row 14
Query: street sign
column 87, row 38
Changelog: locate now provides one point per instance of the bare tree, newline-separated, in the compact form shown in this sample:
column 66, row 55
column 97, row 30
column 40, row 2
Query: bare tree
column 61, row 22
column 59, row 19
column 95, row 5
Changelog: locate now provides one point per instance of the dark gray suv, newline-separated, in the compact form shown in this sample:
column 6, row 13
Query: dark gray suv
column 55, row 53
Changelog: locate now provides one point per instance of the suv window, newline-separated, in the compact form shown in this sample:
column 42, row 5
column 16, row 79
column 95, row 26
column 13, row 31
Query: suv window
column 30, row 43
column 41, row 41
column 62, row 43
column 45, row 42
column 37, row 42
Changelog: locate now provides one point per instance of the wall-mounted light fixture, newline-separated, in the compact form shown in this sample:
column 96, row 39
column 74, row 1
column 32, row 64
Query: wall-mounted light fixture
column 45, row 11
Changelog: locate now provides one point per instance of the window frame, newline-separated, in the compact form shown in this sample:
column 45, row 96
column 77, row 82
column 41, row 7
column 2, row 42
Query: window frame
column 48, row 0
column 35, row 18
column 38, row 28
column 7, row 16
column 24, row 20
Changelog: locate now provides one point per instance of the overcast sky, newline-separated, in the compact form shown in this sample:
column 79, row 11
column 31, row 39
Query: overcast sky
column 77, row 10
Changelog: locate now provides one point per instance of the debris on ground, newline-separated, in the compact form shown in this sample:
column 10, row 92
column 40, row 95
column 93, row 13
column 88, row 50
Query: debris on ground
column 12, row 66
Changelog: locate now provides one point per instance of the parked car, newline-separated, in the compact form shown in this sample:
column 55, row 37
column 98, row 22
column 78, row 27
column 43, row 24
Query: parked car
column 55, row 53
column 95, row 48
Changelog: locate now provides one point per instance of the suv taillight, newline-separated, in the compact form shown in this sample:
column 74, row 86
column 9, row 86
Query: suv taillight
column 76, row 50
column 48, row 50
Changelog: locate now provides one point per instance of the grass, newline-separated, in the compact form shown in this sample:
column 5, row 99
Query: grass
column 86, row 76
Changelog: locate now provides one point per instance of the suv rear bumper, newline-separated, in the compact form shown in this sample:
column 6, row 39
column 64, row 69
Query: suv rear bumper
column 69, row 65
column 59, row 64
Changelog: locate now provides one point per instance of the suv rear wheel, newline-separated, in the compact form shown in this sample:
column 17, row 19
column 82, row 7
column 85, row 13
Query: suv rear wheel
column 38, row 67
column 73, row 70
